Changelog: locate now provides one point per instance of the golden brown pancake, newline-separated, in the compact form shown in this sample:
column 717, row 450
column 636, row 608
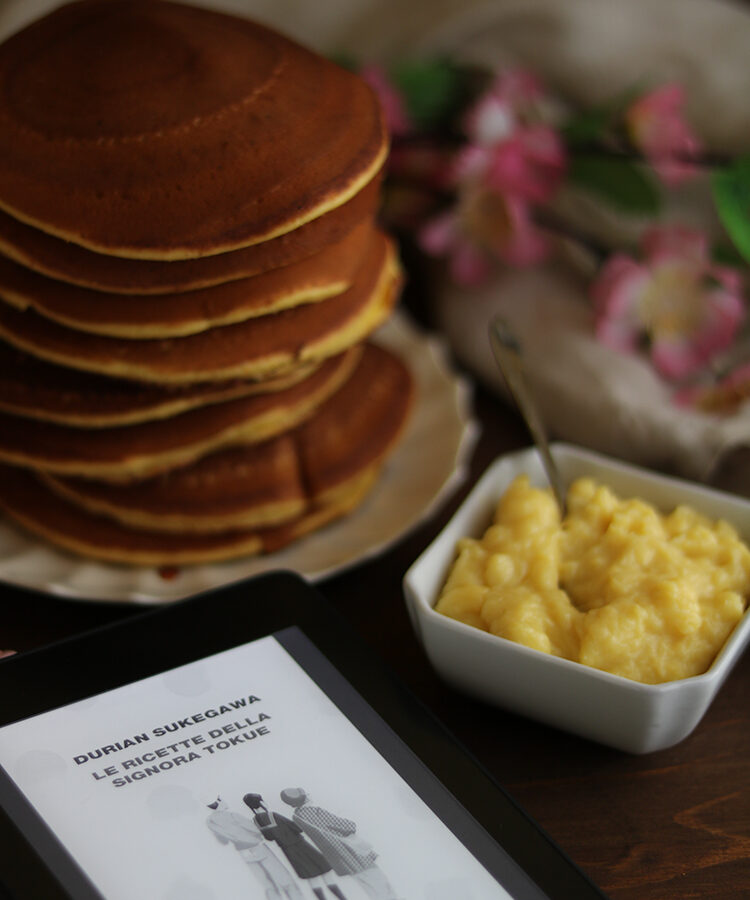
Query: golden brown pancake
column 238, row 487
column 136, row 451
column 35, row 389
column 153, row 130
column 73, row 264
column 338, row 455
column 258, row 348
column 315, row 278
column 32, row 505
column 267, row 483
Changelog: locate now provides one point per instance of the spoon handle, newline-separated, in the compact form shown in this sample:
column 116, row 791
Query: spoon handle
column 507, row 352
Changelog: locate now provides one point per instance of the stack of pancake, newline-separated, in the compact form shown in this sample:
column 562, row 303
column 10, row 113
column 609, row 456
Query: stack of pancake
column 190, row 271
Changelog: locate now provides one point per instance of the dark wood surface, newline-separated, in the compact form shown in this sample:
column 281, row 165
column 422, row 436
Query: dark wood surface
column 673, row 824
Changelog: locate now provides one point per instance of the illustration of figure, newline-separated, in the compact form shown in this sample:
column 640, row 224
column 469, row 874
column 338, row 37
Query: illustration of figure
column 306, row 860
column 233, row 828
column 337, row 840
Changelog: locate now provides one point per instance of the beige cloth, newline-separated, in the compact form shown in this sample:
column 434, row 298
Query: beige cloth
column 587, row 394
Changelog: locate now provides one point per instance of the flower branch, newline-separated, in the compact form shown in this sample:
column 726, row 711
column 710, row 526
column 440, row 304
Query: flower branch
column 479, row 159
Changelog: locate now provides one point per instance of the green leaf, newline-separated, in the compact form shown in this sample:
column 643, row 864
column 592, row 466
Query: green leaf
column 731, row 191
column 434, row 90
column 620, row 181
column 591, row 125
column 724, row 255
column 586, row 127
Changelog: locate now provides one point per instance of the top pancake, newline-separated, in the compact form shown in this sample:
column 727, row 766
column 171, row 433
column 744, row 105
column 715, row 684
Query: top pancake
column 152, row 130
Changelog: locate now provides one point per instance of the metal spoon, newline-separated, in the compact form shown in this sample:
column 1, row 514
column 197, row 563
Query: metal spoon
column 507, row 351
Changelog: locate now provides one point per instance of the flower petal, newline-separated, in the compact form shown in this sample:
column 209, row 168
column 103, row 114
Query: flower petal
column 438, row 235
column 517, row 87
column 656, row 125
column 524, row 244
column 530, row 165
column 617, row 288
column 669, row 242
column 393, row 104
column 469, row 265
column 674, row 357
column 470, row 164
column 490, row 120
column 724, row 313
column 616, row 294
column 724, row 397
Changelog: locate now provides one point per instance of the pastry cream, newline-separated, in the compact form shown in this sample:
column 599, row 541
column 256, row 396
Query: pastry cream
column 616, row 585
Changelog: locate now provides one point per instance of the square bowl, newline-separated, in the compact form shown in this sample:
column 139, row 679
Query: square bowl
column 610, row 709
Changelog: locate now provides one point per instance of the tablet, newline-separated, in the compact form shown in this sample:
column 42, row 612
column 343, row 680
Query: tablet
column 244, row 743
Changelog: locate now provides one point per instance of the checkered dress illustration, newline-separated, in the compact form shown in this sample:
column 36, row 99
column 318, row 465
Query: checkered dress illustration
column 336, row 839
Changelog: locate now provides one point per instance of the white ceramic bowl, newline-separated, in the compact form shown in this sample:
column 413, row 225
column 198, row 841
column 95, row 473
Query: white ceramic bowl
column 613, row 710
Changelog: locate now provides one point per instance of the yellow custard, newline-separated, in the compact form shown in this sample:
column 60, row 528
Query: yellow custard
column 616, row 585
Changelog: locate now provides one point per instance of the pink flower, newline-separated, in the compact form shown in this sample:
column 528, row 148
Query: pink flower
column 468, row 263
column 679, row 303
column 510, row 162
column 530, row 164
column 511, row 101
column 396, row 116
column 723, row 397
column 509, row 149
column 656, row 125
column 483, row 225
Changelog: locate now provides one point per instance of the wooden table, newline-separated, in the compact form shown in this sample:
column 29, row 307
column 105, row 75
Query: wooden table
column 673, row 824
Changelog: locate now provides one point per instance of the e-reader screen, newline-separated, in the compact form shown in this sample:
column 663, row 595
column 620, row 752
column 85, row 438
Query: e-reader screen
column 256, row 772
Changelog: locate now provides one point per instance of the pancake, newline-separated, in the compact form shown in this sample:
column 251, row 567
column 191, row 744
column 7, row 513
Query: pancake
column 153, row 130
column 258, row 348
column 317, row 277
column 35, row 389
column 268, row 483
column 136, row 451
column 238, row 487
column 32, row 505
column 340, row 453
column 67, row 262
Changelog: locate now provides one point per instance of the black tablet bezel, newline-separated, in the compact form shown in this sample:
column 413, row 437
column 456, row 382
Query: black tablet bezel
column 166, row 637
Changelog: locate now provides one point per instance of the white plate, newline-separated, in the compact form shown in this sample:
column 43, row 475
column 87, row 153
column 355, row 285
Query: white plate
column 418, row 476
